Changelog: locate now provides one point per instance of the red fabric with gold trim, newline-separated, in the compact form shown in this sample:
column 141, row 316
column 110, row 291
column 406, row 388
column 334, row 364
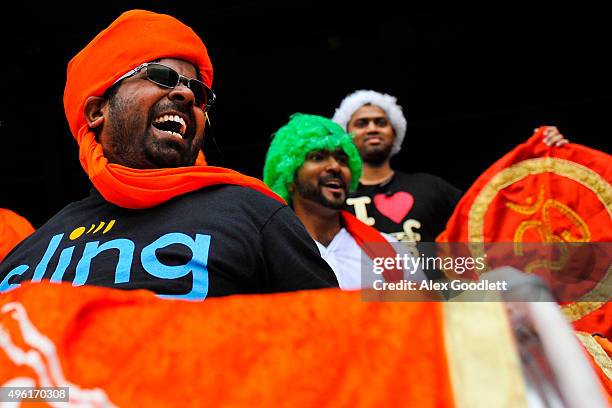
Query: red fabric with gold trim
column 537, row 193
column 299, row 349
column 535, row 182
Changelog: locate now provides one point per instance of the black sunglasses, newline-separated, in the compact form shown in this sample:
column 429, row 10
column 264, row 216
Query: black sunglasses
column 169, row 78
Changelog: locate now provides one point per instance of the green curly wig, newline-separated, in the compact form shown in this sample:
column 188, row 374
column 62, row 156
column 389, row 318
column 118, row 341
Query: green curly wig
column 302, row 135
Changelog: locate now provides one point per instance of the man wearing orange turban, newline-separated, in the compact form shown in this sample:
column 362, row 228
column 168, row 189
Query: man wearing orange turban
column 136, row 100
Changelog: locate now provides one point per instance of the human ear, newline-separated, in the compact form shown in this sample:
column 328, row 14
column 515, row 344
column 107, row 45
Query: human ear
column 94, row 111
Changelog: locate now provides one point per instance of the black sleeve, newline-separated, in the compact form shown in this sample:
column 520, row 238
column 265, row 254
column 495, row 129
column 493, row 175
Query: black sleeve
column 453, row 197
column 292, row 259
column 449, row 198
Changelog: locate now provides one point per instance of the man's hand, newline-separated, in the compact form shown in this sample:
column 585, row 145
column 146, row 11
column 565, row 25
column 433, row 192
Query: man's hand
column 552, row 137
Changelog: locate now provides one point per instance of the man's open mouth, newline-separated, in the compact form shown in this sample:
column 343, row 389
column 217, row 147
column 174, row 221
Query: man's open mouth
column 334, row 185
column 171, row 124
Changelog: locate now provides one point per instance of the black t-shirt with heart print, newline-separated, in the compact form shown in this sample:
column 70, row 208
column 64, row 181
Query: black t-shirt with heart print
column 412, row 207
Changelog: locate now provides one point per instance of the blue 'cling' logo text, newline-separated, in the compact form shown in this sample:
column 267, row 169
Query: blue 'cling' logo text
column 197, row 265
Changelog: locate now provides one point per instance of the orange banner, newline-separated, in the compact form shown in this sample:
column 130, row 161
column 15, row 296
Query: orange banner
column 310, row 348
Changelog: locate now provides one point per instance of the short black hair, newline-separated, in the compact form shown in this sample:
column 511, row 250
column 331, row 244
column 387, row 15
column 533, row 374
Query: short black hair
column 112, row 91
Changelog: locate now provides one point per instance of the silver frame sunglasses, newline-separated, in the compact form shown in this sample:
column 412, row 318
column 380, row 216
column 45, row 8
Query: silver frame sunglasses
column 181, row 79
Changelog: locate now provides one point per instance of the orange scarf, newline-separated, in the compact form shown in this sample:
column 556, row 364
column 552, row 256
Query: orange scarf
column 13, row 229
column 136, row 37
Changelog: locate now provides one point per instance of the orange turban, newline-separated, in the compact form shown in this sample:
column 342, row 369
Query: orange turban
column 138, row 36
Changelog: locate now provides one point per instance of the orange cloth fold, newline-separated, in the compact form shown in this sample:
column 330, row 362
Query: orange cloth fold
column 13, row 229
column 605, row 344
column 303, row 349
column 136, row 37
column 598, row 321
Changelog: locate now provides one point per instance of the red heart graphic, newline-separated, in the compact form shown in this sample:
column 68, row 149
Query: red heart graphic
column 396, row 206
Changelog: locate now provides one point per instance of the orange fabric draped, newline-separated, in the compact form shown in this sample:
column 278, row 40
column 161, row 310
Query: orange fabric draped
column 537, row 193
column 529, row 181
column 136, row 37
column 303, row 349
column 13, row 229
column 556, row 195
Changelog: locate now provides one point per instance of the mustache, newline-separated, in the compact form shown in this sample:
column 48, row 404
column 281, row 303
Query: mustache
column 180, row 108
column 333, row 177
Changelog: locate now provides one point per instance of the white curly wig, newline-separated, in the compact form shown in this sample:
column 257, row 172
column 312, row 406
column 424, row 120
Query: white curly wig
column 388, row 103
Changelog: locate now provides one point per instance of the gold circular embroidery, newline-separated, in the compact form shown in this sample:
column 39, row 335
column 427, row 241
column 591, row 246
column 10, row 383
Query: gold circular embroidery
column 510, row 175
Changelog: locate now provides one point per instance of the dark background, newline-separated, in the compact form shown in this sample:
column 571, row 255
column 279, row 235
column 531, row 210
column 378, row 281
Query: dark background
column 473, row 81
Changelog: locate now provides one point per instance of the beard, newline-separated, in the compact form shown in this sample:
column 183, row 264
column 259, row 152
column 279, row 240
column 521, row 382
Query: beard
column 375, row 155
column 137, row 147
column 315, row 194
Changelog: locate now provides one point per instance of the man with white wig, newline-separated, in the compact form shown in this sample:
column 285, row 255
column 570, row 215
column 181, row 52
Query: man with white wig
column 412, row 207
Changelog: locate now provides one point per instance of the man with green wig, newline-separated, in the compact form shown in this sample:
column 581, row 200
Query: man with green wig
column 312, row 163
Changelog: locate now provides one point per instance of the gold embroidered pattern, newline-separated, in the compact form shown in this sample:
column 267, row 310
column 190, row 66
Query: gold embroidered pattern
column 597, row 352
column 520, row 231
column 565, row 168
column 545, row 229
column 576, row 311
column 526, row 210
column 585, row 233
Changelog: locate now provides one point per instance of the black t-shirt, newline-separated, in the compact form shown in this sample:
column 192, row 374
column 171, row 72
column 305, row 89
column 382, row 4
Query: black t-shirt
column 412, row 207
column 216, row 241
